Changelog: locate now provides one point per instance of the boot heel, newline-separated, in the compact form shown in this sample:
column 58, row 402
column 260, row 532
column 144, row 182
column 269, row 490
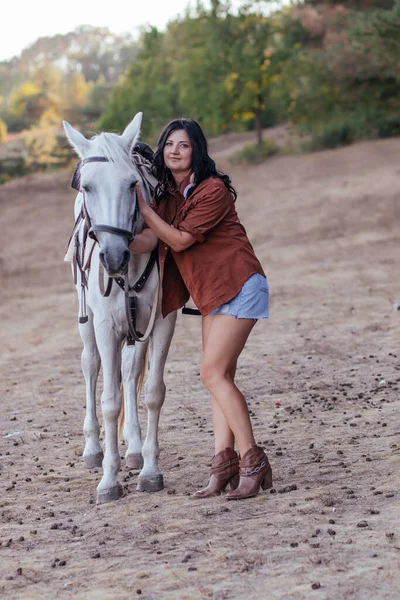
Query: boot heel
column 266, row 483
column 234, row 482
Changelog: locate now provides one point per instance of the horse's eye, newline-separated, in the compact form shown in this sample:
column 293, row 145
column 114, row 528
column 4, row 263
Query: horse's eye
column 86, row 188
column 133, row 185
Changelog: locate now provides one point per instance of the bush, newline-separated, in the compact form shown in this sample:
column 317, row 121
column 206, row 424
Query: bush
column 254, row 153
column 331, row 135
column 389, row 127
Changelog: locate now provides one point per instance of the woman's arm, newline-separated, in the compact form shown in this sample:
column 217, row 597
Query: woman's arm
column 144, row 242
column 177, row 240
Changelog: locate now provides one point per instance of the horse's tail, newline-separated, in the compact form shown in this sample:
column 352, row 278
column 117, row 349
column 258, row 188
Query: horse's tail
column 139, row 388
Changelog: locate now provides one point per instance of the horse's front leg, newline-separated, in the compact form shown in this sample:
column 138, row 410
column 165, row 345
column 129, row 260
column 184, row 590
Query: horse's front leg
column 151, row 478
column 110, row 352
column 90, row 361
column 132, row 372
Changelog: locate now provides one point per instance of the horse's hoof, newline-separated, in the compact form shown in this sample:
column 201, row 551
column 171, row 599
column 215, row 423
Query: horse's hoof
column 92, row 461
column 134, row 461
column 109, row 495
column 150, row 484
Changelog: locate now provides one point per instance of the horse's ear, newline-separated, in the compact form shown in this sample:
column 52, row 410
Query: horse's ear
column 76, row 139
column 131, row 133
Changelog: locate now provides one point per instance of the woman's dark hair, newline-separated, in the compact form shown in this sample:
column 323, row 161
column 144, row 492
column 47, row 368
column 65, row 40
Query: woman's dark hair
column 202, row 165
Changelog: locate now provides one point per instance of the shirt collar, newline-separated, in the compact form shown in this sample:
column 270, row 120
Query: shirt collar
column 173, row 188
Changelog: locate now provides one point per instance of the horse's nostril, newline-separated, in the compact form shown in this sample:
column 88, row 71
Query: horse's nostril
column 127, row 256
column 102, row 259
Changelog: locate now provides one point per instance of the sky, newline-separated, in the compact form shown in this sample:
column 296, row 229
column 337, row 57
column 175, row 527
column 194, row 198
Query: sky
column 27, row 20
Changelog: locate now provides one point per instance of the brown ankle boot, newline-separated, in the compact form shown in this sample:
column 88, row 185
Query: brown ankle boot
column 255, row 471
column 224, row 470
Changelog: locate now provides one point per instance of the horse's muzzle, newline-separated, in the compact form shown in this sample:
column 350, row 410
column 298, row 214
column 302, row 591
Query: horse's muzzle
column 116, row 265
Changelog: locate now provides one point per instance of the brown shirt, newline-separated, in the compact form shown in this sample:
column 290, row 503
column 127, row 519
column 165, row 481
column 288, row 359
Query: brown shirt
column 213, row 270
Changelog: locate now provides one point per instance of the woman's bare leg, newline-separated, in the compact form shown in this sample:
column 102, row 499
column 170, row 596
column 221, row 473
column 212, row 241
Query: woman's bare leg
column 223, row 436
column 224, row 341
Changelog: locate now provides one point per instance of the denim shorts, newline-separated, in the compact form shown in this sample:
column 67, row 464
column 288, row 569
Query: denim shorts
column 250, row 303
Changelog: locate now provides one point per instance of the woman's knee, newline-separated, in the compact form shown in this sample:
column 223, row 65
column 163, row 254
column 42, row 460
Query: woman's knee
column 211, row 375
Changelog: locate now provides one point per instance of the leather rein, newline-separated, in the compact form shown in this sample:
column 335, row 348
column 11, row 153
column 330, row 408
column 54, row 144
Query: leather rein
column 131, row 299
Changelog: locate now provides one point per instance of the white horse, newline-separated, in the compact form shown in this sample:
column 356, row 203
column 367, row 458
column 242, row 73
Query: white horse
column 107, row 205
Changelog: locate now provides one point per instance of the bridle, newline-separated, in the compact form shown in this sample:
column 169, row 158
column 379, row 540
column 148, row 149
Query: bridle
column 131, row 298
column 129, row 235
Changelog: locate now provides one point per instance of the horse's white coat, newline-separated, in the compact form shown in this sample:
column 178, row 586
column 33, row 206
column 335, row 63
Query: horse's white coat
column 110, row 200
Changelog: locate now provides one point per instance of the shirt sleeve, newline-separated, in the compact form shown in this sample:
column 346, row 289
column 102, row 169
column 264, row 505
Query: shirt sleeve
column 210, row 205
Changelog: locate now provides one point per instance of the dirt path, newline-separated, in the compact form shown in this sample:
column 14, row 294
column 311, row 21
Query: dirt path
column 322, row 380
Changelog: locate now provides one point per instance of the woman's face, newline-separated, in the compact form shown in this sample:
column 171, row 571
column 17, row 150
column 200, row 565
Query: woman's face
column 177, row 153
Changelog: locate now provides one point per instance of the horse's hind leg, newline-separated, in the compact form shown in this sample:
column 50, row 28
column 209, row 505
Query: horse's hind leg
column 151, row 478
column 90, row 361
column 132, row 369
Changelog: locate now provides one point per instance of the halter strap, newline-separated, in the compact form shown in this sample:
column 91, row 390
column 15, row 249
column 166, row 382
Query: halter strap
column 106, row 228
column 109, row 229
column 94, row 159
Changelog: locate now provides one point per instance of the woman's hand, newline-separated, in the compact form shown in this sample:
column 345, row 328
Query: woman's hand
column 177, row 240
column 143, row 206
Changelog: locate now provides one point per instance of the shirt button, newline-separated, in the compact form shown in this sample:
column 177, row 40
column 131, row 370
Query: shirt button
column 165, row 247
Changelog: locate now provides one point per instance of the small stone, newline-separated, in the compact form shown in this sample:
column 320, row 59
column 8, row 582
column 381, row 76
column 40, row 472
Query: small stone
column 95, row 555
column 362, row 524
column 316, row 585
column 287, row 489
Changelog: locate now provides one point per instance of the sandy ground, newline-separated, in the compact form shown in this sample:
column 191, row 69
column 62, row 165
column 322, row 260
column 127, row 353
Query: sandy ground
column 321, row 377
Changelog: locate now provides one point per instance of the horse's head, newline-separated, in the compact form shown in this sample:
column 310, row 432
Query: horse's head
column 107, row 181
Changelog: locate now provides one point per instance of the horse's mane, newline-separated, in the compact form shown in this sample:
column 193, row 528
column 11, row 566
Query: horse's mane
column 113, row 148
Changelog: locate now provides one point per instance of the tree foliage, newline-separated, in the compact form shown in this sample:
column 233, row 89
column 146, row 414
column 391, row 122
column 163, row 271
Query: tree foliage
column 328, row 67
column 63, row 70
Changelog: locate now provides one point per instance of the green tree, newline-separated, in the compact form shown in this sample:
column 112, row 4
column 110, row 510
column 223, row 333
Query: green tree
column 147, row 85
column 342, row 76
column 249, row 84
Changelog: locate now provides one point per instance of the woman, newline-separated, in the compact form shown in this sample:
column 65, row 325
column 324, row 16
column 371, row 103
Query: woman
column 205, row 253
